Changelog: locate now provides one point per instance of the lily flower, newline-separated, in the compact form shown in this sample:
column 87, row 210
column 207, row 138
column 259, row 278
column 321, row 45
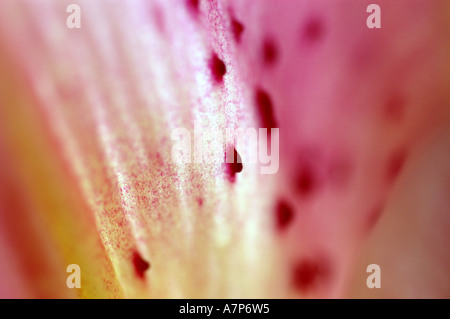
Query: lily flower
column 91, row 93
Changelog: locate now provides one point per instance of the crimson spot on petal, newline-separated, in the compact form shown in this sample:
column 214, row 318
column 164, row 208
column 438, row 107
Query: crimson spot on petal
column 340, row 173
column 284, row 214
column 265, row 109
column 218, row 68
column 234, row 166
column 395, row 164
column 270, row 52
column 373, row 216
column 158, row 18
column 394, row 109
column 237, row 28
column 308, row 274
column 194, row 6
column 313, row 30
column 306, row 180
column 140, row 265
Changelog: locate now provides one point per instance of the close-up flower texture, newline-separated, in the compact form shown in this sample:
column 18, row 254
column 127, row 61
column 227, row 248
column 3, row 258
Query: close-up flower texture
column 349, row 192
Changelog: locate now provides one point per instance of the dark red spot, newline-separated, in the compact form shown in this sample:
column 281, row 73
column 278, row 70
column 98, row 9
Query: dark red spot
column 265, row 110
column 237, row 28
column 158, row 17
column 140, row 265
column 373, row 217
column 394, row 109
column 194, row 6
column 200, row 201
column 395, row 165
column 313, row 30
column 234, row 166
column 306, row 180
column 270, row 52
column 340, row 173
column 284, row 214
column 218, row 68
column 309, row 273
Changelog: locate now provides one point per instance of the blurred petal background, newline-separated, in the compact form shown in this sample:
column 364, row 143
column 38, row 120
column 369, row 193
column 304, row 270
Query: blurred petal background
column 87, row 178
